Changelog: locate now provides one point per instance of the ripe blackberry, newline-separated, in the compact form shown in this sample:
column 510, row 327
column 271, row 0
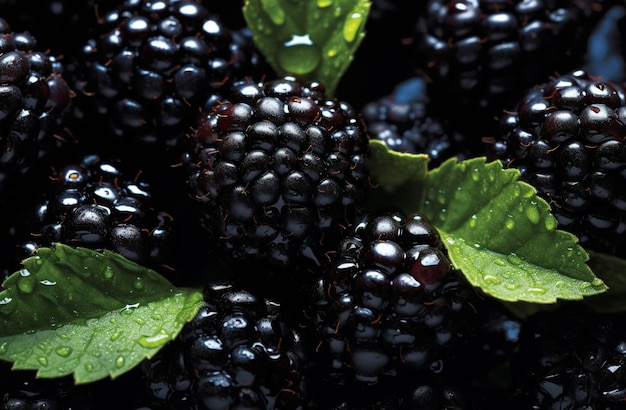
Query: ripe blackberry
column 481, row 54
column 236, row 353
column 389, row 303
column 93, row 204
column 148, row 71
column 404, row 122
column 33, row 100
column 571, row 358
column 278, row 168
column 566, row 138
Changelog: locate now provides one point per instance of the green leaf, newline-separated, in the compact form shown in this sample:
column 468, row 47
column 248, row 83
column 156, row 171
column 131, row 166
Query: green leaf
column 397, row 178
column 74, row 310
column 613, row 271
column 315, row 39
column 503, row 236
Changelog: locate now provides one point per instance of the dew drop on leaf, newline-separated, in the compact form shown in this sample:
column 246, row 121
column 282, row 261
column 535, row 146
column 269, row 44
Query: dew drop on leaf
column 532, row 213
column 116, row 335
column 324, row 3
column 138, row 283
column 108, row 272
column 153, row 341
column 300, row 55
column 494, row 280
column 514, row 259
column 43, row 361
column 351, row 26
column 63, row 351
column 119, row 362
column 4, row 347
column 25, row 282
column 537, row 291
column 510, row 224
column 274, row 11
column 550, row 223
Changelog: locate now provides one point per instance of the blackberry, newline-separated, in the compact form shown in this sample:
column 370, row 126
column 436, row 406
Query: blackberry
column 389, row 303
column 482, row 54
column 237, row 352
column 93, row 204
column 404, row 122
column 34, row 99
column 148, row 71
column 278, row 168
column 571, row 358
column 566, row 138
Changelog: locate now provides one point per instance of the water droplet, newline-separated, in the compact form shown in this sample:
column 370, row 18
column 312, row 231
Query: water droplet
column 475, row 174
column 473, row 221
column 43, row 361
column 63, row 351
column 140, row 321
column 116, row 335
column 274, row 11
column 511, row 286
column 500, row 262
column 516, row 190
column 559, row 284
column 532, row 213
column 510, row 224
column 46, row 282
column 25, row 282
column 151, row 342
column 493, row 280
column 514, row 259
column 138, row 283
column 477, row 246
column 300, row 55
column 89, row 367
column 338, row 11
column 597, row 282
column 550, row 223
column 128, row 309
column 537, row 291
column 119, row 362
column 4, row 347
column 331, row 53
column 441, row 196
column 108, row 272
column 324, row 3
column 450, row 240
column 351, row 26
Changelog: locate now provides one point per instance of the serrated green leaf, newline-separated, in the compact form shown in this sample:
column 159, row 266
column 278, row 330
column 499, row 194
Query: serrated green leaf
column 397, row 178
column 613, row 271
column 315, row 39
column 503, row 236
column 76, row 311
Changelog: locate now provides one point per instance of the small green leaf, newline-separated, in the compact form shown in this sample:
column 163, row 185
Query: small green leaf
column 503, row 236
column 73, row 310
column 315, row 39
column 613, row 271
column 398, row 178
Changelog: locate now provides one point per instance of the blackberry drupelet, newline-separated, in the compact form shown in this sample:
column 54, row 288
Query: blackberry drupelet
column 571, row 358
column 278, row 168
column 403, row 121
column 148, row 72
column 94, row 204
column 481, row 54
column 34, row 99
column 238, row 352
column 566, row 138
column 389, row 303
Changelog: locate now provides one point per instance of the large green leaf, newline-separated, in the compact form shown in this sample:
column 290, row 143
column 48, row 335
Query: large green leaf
column 503, row 236
column 91, row 314
column 315, row 39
